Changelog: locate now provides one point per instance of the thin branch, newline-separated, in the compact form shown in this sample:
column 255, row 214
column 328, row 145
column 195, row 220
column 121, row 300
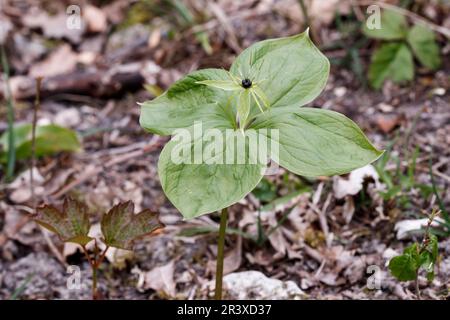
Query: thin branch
column 102, row 257
column 37, row 103
column 52, row 246
column 86, row 253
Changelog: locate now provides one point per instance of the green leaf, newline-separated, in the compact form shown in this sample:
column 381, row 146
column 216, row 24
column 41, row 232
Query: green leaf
column 433, row 247
column 262, row 96
column 121, row 227
column 429, row 256
column 188, row 101
column 405, row 266
column 289, row 70
column 393, row 27
column 50, row 139
column 393, row 61
column 196, row 189
column 317, row 142
column 243, row 108
column 71, row 224
column 424, row 45
column 227, row 85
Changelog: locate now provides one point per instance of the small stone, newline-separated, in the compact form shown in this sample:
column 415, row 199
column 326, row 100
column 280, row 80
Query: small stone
column 339, row 91
column 68, row 118
column 255, row 285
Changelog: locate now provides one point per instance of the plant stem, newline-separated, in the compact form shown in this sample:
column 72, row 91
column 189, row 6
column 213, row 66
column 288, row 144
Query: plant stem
column 37, row 103
column 220, row 254
column 305, row 12
column 95, row 264
column 8, row 97
column 94, row 281
column 417, row 285
column 102, row 256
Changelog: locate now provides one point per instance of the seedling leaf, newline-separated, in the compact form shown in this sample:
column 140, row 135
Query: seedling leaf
column 121, row 227
column 71, row 224
column 404, row 267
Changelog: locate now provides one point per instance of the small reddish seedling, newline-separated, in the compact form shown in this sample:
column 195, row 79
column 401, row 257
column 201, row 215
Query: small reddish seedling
column 120, row 228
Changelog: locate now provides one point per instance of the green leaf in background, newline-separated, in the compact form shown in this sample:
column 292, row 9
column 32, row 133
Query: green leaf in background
column 121, row 227
column 425, row 48
column 290, row 70
column 404, row 267
column 50, row 139
column 317, row 142
column 188, row 101
column 196, row 189
column 393, row 27
column 265, row 191
column 429, row 256
column 71, row 224
column 391, row 61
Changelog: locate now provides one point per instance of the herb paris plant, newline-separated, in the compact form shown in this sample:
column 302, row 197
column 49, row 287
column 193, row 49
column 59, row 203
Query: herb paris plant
column 288, row 73
column 263, row 91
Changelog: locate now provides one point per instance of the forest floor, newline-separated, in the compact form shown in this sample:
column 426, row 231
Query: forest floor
column 329, row 237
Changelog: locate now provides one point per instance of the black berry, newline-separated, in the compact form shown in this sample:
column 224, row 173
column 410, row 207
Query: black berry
column 246, row 83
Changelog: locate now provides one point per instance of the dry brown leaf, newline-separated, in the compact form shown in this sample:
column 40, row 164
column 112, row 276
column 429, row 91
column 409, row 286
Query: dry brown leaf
column 5, row 27
column 68, row 117
column 348, row 209
column 232, row 260
column 356, row 270
column 323, row 12
column 289, row 9
column 260, row 257
column 62, row 60
column 159, row 279
column 20, row 187
column 95, row 19
column 387, row 122
column 278, row 241
column 16, row 226
column 354, row 183
column 52, row 26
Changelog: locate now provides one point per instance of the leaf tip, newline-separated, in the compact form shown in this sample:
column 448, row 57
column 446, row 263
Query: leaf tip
column 307, row 32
